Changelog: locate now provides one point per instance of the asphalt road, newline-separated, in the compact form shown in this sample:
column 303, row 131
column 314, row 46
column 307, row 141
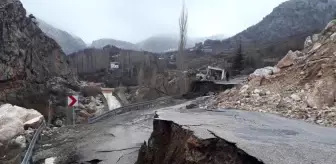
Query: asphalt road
column 272, row 139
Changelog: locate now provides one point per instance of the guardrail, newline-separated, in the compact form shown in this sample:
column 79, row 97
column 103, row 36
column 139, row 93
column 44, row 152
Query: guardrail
column 128, row 108
column 28, row 156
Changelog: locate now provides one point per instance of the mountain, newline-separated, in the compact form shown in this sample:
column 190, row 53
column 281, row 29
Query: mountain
column 162, row 43
column 100, row 43
column 294, row 20
column 68, row 42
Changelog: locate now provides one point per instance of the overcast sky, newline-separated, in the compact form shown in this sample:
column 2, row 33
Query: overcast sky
column 135, row 20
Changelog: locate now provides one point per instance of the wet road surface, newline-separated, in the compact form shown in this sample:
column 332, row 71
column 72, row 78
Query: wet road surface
column 271, row 138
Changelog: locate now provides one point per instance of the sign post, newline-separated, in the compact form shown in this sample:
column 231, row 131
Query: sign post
column 73, row 102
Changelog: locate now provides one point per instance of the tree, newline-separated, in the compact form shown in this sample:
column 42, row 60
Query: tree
column 183, row 21
column 181, row 65
column 238, row 63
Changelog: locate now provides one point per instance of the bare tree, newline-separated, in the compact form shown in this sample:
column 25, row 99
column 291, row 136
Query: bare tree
column 181, row 64
column 183, row 22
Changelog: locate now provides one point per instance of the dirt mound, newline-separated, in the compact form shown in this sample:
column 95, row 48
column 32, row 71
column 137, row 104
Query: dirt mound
column 304, row 88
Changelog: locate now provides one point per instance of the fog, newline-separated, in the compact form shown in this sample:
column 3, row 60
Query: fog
column 135, row 20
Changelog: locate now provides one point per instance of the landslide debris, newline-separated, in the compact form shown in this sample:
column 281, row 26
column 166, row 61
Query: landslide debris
column 302, row 87
column 171, row 143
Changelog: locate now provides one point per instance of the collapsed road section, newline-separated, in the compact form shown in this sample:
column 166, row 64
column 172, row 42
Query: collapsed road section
column 171, row 143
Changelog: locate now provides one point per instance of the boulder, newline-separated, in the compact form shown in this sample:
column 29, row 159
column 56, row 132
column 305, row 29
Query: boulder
column 288, row 60
column 14, row 118
column 323, row 93
column 263, row 72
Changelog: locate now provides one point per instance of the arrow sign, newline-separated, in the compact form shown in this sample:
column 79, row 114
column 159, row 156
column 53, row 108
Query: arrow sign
column 72, row 101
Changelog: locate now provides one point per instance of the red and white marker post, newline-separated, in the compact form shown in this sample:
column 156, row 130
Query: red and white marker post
column 73, row 102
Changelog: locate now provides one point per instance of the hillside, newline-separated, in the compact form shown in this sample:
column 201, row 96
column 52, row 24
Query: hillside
column 285, row 28
column 100, row 43
column 68, row 42
column 302, row 85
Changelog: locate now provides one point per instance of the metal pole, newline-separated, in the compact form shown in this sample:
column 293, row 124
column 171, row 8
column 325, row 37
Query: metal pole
column 73, row 116
column 49, row 113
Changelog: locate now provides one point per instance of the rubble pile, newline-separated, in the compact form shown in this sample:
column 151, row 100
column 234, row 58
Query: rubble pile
column 303, row 85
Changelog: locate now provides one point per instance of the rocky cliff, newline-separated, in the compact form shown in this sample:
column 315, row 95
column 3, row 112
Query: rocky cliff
column 68, row 42
column 32, row 65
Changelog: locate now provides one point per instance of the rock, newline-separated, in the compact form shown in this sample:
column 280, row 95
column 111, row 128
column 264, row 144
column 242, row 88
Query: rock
column 332, row 114
column 319, row 121
column 262, row 93
column 33, row 123
column 333, row 37
column 262, row 72
column 244, row 88
column 288, row 60
column 191, row 106
column 91, row 111
column 315, row 37
column 47, row 145
column 85, row 114
column 81, row 106
column 227, row 91
column 256, row 91
column 323, row 93
column 315, row 47
column 308, row 42
column 295, row 97
column 51, row 160
column 21, row 140
column 59, row 123
column 12, row 119
column 268, row 92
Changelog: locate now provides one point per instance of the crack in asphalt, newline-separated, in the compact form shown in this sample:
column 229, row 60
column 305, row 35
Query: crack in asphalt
column 107, row 151
column 124, row 155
